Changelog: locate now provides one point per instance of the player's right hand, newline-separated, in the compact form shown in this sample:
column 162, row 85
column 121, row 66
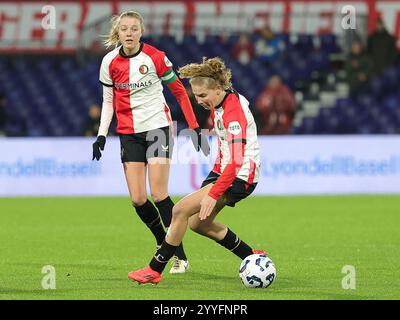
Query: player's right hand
column 97, row 146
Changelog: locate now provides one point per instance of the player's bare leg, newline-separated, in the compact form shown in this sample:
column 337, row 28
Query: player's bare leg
column 135, row 175
column 209, row 227
column 182, row 211
column 220, row 233
column 158, row 170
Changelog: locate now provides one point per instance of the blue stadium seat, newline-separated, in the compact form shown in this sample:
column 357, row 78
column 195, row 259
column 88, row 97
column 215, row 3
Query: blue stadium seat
column 390, row 78
column 391, row 103
column 328, row 43
column 305, row 43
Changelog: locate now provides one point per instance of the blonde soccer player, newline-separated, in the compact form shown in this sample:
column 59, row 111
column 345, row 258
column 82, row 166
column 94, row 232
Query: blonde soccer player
column 132, row 75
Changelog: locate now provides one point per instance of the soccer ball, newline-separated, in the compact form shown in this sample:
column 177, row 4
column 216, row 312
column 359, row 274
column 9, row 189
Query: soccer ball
column 257, row 271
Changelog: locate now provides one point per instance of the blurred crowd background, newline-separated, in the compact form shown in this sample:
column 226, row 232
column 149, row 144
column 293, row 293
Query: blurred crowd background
column 297, row 83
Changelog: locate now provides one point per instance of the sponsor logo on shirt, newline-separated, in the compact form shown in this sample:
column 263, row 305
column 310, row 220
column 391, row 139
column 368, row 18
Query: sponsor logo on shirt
column 234, row 127
column 122, row 85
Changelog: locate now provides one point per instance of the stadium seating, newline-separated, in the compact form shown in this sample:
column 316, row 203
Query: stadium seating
column 376, row 110
column 50, row 95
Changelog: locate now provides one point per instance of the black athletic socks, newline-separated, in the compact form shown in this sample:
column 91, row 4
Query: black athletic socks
column 234, row 244
column 149, row 215
column 165, row 208
column 162, row 257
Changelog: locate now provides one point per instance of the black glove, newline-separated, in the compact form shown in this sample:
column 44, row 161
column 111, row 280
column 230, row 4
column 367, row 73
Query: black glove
column 200, row 141
column 97, row 146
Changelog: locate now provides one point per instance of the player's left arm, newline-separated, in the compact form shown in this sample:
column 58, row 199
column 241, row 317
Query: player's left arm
column 179, row 91
column 168, row 77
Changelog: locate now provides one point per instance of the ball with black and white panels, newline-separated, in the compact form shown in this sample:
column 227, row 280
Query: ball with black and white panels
column 257, row 271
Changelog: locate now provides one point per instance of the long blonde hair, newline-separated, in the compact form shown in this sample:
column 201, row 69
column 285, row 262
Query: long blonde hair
column 212, row 71
column 112, row 38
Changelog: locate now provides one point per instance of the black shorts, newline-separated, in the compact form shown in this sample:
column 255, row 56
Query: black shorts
column 139, row 147
column 239, row 189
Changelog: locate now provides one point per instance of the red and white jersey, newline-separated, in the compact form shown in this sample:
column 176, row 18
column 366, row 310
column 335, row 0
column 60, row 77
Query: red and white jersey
column 239, row 152
column 138, row 99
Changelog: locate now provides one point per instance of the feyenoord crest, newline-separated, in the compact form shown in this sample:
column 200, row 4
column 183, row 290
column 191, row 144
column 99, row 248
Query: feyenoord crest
column 143, row 69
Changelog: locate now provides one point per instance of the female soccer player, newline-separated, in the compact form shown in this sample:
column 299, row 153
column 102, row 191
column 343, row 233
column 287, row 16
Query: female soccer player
column 234, row 176
column 132, row 76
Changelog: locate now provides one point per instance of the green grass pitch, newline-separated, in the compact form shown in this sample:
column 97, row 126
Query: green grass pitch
column 94, row 242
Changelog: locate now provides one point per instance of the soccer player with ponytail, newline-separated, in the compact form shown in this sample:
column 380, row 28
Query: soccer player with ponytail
column 233, row 178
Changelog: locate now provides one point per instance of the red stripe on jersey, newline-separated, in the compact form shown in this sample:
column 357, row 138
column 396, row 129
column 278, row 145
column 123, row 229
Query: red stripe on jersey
column 252, row 173
column 157, row 57
column 233, row 114
column 119, row 72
